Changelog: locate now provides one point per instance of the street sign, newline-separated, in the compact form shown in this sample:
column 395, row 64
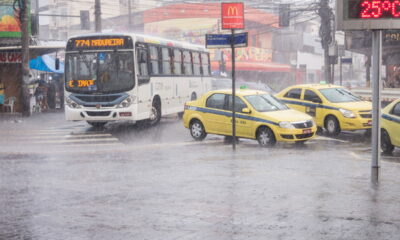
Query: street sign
column 232, row 15
column 224, row 40
column 346, row 60
column 367, row 14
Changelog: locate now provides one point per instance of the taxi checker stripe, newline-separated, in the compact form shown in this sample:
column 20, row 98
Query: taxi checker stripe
column 308, row 104
column 228, row 114
column 390, row 118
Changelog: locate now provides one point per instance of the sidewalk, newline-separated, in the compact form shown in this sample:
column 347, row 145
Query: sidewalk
column 7, row 116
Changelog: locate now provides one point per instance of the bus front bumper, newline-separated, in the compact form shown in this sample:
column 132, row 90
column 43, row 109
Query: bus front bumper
column 100, row 115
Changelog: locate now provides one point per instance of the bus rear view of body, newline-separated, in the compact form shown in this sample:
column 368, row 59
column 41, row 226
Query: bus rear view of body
column 111, row 77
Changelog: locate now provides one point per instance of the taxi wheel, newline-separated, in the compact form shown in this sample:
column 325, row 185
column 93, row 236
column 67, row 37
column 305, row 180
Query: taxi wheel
column 332, row 126
column 265, row 137
column 197, row 130
column 97, row 124
column 386, row 144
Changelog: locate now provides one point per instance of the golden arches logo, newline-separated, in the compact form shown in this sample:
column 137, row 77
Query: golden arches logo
column 233, row 11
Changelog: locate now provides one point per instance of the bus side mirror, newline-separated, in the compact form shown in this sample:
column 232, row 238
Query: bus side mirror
column 57, row 64
column 143, row 58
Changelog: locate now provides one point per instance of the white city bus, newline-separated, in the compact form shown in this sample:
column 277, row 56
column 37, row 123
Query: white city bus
column 110, row 77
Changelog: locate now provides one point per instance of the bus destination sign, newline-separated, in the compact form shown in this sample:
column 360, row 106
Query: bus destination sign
column 99, row 43
column 110, row 42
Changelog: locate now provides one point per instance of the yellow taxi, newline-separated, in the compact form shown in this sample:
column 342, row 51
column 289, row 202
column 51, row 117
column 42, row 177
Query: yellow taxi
column 333, row 107
column 259, row 115
column 390, row 125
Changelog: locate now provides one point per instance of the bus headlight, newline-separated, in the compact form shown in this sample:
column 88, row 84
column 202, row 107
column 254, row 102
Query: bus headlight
column 71, row 103
column 287, row 125
column 126, row 103
column 347, row 113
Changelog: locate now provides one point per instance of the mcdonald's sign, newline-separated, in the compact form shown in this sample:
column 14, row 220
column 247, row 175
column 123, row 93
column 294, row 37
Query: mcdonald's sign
column 232, row 15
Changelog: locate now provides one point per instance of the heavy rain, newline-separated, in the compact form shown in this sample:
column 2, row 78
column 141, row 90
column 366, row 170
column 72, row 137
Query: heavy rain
column 119, row 119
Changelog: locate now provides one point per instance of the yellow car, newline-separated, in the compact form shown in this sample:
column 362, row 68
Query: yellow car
column 333, row 107
column 390, row 125
column 259, row 115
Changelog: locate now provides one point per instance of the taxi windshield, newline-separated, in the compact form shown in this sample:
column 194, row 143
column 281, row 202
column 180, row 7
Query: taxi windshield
column 339, row 95
column 265, row 103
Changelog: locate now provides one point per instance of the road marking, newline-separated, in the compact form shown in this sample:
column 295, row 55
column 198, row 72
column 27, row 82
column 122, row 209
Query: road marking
column 331, row 139
column 77, row 140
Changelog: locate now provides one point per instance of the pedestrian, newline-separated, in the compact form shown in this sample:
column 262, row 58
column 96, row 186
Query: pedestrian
column 41, row 96
column 1, row 94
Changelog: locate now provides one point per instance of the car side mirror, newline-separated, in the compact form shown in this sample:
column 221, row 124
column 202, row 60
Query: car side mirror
column 316, row 100
column 246, row 110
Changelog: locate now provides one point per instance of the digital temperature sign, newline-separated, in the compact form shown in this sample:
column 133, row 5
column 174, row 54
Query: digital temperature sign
column 368, row 14
column 374, row 9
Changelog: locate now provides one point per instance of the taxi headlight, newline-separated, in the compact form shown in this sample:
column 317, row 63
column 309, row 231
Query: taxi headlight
column 347, row 113
column 287, row 125
column 126, row 103
column 71, row 103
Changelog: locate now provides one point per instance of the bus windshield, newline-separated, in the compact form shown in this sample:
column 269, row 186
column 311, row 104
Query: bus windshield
column 99, row 72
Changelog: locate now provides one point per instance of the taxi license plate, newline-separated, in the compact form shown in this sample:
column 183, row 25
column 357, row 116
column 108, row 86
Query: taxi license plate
column 369, row 122
column 306, row 131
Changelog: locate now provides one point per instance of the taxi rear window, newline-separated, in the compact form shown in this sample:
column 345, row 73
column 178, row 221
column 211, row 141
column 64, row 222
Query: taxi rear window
column 293, row 93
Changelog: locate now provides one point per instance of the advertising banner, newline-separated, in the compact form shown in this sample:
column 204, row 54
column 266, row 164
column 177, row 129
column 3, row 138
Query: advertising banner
column 232, row 15
column 10, row 57
column 9, row 19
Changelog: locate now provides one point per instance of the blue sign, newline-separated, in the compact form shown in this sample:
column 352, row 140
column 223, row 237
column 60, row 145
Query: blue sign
column 347, row 60
column 224, row 40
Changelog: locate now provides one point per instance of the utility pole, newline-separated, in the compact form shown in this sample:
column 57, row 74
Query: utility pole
column 129, row 15
column 97, row 15
column 24, row 93
column 325, row 32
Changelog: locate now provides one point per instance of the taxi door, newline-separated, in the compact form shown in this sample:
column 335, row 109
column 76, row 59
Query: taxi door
column 313, row 106
column 243, row 124
column 394, row 126
column 215, row 115
column 293, row 99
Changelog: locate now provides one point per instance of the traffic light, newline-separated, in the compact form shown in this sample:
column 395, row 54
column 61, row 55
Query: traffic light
column 284, row 15
column 85, row 21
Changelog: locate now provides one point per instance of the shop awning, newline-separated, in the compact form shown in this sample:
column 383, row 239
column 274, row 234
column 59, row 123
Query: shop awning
column 46, row 63
column 254, row 66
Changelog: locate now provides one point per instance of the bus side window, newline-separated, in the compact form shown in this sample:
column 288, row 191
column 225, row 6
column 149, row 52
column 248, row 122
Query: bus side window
column 142, row 61
column 196, row 63
column 177, row 66
column 154, row 60
column 205, row 64
column 187, row 63
column 166, row 61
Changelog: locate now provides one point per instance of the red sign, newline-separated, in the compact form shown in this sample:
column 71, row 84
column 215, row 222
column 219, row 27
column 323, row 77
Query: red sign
column 10, row 57
column 232, row 15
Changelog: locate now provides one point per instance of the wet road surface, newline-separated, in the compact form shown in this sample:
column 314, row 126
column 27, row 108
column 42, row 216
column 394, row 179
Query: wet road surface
column 62, row 180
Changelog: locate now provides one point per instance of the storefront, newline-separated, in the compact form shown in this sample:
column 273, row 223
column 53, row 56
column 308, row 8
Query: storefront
column 11, row 70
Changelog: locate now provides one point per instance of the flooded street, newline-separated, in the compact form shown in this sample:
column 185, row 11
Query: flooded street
column 64, row 180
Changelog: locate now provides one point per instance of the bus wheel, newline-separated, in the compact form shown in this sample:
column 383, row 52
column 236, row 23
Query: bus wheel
column 386, row 145
column 97, row 124
column 155, row 114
